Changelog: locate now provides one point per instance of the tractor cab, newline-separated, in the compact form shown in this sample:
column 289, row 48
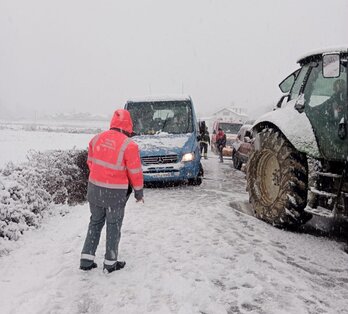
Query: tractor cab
column 299, row 162
column 319, row 89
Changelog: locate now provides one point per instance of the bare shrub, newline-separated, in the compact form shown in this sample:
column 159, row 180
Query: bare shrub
column 29, row 189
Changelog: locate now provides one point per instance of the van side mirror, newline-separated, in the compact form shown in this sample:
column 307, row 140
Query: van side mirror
column 331, row 65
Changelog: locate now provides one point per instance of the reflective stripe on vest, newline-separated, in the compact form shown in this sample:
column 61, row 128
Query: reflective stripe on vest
column 109, row 165
column 138, row 188
column 106, row 164
column 94, row 141
column 134, row 171
column 109, row 185
column 122, row 150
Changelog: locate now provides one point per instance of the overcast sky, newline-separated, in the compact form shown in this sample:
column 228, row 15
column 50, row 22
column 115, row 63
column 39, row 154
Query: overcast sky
column 90, row 56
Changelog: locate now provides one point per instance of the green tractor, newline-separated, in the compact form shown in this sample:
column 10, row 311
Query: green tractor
column 298, row 166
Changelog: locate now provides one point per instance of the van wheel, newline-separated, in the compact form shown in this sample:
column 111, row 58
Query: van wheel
column 277, row 180
column 201, row 171
column 198, row 179
column 195, row 181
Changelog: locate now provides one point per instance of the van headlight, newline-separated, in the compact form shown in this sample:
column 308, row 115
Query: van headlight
column 188, row 157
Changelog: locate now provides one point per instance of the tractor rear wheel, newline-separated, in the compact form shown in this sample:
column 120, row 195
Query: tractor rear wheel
column 277, row 180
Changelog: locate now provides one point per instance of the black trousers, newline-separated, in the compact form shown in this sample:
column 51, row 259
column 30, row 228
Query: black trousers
column 204, row 147
column 220, row 149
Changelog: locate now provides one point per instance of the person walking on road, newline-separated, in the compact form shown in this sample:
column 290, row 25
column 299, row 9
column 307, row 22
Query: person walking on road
column 115, row 169
column 220, row 143
column 204, row 142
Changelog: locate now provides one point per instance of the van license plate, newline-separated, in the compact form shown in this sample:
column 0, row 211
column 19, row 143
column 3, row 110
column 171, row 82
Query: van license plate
column 162, row 174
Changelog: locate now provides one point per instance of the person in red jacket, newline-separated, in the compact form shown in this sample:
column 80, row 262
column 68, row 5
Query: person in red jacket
column 115, row 168
column 220, row 143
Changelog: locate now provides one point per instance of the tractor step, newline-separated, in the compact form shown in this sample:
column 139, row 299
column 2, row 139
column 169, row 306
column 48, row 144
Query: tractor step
column 329, row 174
column 322, row 193
column 319, row 211
column 326, row 194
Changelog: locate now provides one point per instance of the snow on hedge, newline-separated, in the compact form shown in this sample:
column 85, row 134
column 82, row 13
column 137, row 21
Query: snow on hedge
column 29, row 190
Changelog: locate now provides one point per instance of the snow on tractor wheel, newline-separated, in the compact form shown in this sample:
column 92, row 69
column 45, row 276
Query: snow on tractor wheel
column 277, row 180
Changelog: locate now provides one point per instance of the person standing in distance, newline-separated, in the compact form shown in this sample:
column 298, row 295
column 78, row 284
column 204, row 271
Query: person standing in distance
column 220, row 143
column 204, row 142
column 115, row 168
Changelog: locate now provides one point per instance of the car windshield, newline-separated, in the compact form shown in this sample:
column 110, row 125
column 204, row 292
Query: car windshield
column 230, row 128
column 174, row 117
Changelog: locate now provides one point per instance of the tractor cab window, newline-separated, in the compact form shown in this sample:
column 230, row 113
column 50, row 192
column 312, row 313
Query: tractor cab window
column 326, row 94
column 288, row 82
column 299, row 82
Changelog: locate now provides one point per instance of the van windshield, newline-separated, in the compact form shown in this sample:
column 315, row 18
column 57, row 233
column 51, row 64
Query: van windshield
column 174, row 117
column 230, row 128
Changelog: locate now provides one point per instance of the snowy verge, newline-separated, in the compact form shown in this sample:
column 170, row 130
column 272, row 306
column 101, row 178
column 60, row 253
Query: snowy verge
column 29, row 190
column 32, row 127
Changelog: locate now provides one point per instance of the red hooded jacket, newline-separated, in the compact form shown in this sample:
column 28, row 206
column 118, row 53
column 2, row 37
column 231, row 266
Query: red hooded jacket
column 221, row 138
column 113, row 158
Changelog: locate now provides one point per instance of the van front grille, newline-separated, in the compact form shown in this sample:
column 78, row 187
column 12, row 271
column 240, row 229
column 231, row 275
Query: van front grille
column 158, row 160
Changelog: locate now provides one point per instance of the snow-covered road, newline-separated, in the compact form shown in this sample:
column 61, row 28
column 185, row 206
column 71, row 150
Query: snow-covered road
column 187, row 251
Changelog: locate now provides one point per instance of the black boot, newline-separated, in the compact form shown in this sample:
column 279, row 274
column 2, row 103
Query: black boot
column 93, row 265
column 117, row 266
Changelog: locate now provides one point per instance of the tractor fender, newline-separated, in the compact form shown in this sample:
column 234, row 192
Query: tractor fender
column 294, row 125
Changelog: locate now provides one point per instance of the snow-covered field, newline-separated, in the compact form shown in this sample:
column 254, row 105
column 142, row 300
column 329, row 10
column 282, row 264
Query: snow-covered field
column 18, row 137
column 15, row 144
column 187, row 251
column 54, row 123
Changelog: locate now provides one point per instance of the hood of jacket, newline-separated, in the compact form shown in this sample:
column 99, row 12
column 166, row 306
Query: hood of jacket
column 122, row 120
